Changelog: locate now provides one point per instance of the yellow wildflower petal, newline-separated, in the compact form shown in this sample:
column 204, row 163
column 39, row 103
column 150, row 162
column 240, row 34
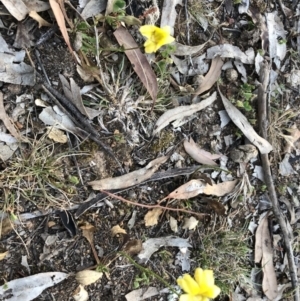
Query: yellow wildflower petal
column 150, row 46
column 147, row 30
column 198, row 275
column 189, row 285
column 186, row 297
column 212, row 292
column 208, row 277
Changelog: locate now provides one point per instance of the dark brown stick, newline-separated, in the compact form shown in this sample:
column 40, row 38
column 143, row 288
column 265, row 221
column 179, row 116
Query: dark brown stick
column 262, row 119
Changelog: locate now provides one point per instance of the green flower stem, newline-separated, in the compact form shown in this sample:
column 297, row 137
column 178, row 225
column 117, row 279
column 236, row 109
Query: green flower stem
column 148, row 271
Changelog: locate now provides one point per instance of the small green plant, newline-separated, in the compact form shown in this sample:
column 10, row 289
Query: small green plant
column 221, row 248
column 246, row 93
column 36, row 175
column 142, row 279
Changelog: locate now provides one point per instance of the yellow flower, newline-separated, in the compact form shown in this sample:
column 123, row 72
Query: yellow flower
column 202, row 288
column 156, row 37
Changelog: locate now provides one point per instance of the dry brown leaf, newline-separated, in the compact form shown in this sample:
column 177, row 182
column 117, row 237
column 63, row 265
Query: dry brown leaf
column 190, row 223
column 81, row 294
column 133, row 247
column 291, row 139
column 173, row 224
column 17, row 8
column 8, row 124
column 211, row 77
column 188, row 190
column 220, row 189
column 264, row 253
column 72, row 92
column 57, row 135
column 181, row 112
column 117, row 230
column 216, row 206
column 61, row 22
column 88, row 277
column 3, row 255
column 138, row 61
column 6, row 225
column 198, row 154
column 88, row 232
column 242, row 123
column 130, row 179
column 151, row 218
column 34, row 15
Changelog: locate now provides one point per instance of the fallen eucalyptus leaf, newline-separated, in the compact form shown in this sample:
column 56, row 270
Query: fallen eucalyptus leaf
column 88, row 277
column 211, row 77
column 230, row 51
column 130, row 179
column 28, row 288
column 198, row 154
column 138, row 61
column 140, row 294
column 264, row 253
column 153, row 244
column 181, row 112
column 242, row 123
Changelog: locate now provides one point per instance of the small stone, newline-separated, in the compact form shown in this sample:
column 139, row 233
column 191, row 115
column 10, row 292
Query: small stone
column 231, row 75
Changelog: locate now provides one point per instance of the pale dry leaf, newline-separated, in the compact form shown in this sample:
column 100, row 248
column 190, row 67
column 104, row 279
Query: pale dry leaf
column 211, row 77
column 28, row 288
column 37, row 5
column 88, row 277
column 72, row 92
column 151, row 218
column 34, row 15
column 17, row 8
column 230, row 51
column 88, row 232
column 198, row 154
column 190, row 223
column 292, row 138
column 115, row 230
column 242, row 123
column 269, row 284
column 188, row 190
column 169, row 14
column 221, row 188
column 133, row 247
column 7, row 122
column 6, row 226
column 153, row 244
column 61, row 22
column 130, row 179
column 173, row 224
column 3, row 255
column 181, row 112
column 140, row 294
column 81, row 294
column 7, row 150
column 93, row 8
column 181, row 49
column 138, row 61
column 57, row 135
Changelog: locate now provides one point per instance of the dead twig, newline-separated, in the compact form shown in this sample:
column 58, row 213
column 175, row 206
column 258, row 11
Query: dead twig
column 262, row 120
column 152, row 206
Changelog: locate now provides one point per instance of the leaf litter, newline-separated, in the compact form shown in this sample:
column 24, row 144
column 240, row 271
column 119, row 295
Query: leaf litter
column 273, row 35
